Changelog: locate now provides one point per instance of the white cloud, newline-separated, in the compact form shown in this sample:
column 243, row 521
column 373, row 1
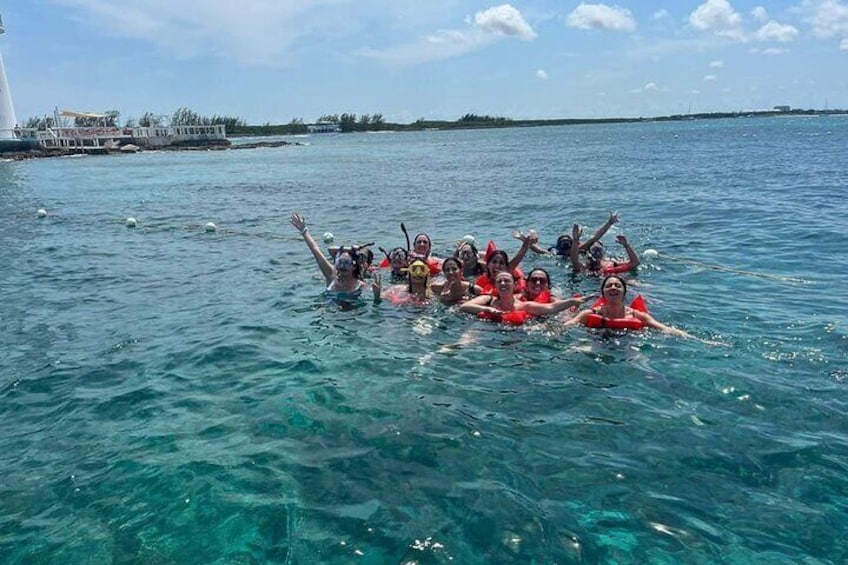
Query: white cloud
column 710, row 78
column 774, row 31
column 601, row 17
column 660, row 14
column 716, row 64
column 504, row 20
column 843, row 45
column 719, row 17
column 542, row 74
column 759, row 13
column 769, row 51
column 263, row 34
column 695, row 91
column 826, row 17
column 487, row 27
column 650, row 86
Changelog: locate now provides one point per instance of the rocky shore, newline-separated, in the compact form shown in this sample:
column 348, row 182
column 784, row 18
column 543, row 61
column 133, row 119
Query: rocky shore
column 212, row 145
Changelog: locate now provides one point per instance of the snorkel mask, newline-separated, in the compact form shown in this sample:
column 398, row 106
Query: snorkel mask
column 418, row 269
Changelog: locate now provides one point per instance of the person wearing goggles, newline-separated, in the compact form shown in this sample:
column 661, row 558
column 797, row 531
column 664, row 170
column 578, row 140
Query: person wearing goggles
column 469, row 257
column 562, row 247
column 342, row 276
column 595, row 262
column 397, row 260
column 417, row 289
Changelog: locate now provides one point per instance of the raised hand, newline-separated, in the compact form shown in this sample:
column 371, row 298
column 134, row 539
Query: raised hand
column 298, row 221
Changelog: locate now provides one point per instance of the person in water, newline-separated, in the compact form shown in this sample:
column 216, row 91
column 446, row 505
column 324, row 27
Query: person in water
column 506, row 301
column 469, row 257
column 595, row 261
column 538, row 287
column 342, row 276
column 364, row 257
column 454, row 289
column 562, row 248
column 417, row 288
column 497, row 260
column 422, row 247
column 397, row 260
column 614, row 313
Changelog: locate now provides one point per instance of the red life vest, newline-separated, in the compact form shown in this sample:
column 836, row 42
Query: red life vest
column 513, row 318
column 594, row 320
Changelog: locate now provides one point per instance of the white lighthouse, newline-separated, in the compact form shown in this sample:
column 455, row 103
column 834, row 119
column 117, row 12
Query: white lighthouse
column 8, row 122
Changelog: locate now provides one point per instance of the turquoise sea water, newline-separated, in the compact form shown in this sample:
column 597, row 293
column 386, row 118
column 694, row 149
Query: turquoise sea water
column 174, row 396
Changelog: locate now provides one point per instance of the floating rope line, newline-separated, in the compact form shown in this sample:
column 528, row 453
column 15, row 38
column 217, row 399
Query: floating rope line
column 780, row 278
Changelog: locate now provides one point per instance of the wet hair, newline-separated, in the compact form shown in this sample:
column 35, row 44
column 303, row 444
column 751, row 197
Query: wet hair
column 476, row 268
column 462, row 245
column 498, row 253
column 540, row 269
column 563, row 244
column 454, row 260
column 608, row 277
column 351, row 251
column 365, row 253
column 394, row 251
column 594, row 245
column 429, row 242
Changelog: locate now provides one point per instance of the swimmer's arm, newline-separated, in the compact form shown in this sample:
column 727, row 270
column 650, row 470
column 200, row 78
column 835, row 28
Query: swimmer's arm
column 546, row 309
column 477, row 305
column 600, row 232
column 574, row 253
column 376, row 286
column 652, row 322
column 578, row 319
column 299, row 222
column 633, row 260
column 526, row 241
column 535, row 248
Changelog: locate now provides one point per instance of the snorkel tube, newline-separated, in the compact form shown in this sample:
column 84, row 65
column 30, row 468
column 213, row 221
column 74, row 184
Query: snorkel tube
column 406, row 235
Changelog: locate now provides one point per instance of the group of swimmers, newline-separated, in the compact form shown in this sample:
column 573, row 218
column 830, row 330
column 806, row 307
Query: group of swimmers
column 489, row 283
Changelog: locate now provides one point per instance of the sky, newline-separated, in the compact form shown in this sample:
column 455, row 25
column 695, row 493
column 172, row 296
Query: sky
column 271, row 61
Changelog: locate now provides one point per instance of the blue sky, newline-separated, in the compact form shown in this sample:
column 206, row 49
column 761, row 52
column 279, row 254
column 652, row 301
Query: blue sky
column 275, row 60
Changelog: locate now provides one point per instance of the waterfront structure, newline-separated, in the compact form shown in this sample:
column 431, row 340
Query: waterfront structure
column 63, row 135
column 324, row 127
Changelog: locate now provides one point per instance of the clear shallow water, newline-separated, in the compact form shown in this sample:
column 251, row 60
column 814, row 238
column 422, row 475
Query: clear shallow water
column 171, row 395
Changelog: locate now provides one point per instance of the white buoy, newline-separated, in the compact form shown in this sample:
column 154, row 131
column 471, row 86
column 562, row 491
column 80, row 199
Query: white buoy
column 210, row 227
column 132, row 222
column 329, row 237
column 650, row 254
column 42, row 213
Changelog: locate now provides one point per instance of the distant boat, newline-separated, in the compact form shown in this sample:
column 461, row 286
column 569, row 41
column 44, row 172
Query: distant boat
column 324, row 127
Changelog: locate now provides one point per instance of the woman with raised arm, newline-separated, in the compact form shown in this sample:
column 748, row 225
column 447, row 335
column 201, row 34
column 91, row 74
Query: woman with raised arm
column 342, row 275
column 595, row 262
column 562, row 247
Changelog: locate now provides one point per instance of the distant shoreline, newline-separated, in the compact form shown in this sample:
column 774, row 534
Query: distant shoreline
column 499, row 122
